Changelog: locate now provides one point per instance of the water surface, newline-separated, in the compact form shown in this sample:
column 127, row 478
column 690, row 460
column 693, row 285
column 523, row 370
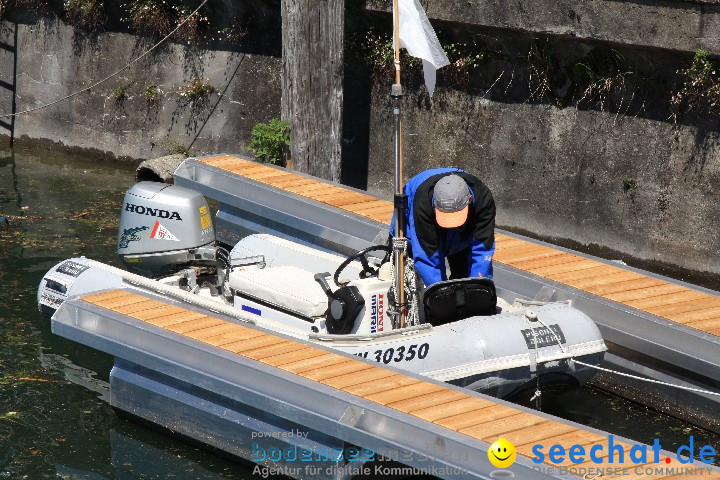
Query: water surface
column 54, row 420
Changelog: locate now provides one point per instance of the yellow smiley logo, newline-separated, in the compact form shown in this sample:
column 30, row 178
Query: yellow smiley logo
column 502, row 453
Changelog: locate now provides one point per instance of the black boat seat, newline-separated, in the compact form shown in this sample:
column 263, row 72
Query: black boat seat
column 453, row 300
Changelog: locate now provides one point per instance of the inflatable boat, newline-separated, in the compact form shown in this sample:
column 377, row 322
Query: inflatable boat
column 466, row 332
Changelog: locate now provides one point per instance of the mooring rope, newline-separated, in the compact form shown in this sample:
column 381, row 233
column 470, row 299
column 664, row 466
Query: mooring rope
column 628, row 375
column 86, row 89
column 538, row 390
column 410, row 283
column 650, row 380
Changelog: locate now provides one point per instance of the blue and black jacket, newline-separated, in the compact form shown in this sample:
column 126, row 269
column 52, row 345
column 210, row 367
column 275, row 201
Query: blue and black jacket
column 431, row 244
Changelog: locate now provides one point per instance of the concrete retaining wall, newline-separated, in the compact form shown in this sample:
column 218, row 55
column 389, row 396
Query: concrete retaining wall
column 117, row 117
column 618, row 176
column 641, row 187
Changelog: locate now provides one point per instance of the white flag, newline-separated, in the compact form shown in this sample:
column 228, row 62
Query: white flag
column 418, row 38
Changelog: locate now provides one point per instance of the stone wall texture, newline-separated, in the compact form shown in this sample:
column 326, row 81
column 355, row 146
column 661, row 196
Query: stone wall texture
column 616, row 174
column 117, row 117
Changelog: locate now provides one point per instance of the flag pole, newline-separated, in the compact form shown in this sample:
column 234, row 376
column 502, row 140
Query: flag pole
column 400, row 199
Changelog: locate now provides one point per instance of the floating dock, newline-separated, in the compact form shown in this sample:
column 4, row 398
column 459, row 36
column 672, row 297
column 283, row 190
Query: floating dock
column 268, row 397
column 303, row 410
column 655, row 327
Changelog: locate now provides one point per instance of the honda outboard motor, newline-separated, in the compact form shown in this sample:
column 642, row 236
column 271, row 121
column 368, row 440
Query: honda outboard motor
column 164, row 228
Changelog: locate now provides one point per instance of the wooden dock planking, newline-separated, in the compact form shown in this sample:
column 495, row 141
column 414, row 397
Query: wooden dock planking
column 189, row 326
column 323, row 373
column 271, row 350
column 451, row 409
column 537, row 434
column 609, row 284
column 377, row 386
column 493, row 428
column 694, row 316
column 526, row 254
column 644, row 293
column 572, row 270
column 408, row 391
column 313, row 362
column 349, row 379
column 710, row 325
column 589, row 271
column 107, row 296
column 476, row 417
column 684, row 307
column 290, row 357
column 426, row 401
column 576, row 436
column 135, row 307
column 212, row 331
column 165, row 321
column 546, row 262
column 656, row 301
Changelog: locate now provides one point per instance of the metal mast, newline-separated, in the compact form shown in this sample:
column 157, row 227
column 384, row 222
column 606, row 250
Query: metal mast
column 400, row 200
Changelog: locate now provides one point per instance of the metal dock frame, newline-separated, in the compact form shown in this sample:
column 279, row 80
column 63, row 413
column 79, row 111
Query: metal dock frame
column 640, row 343
column 176, row 382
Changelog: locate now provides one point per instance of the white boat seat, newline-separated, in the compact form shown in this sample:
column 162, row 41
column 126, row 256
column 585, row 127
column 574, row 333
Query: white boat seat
column 279, row 251
column 290, row 287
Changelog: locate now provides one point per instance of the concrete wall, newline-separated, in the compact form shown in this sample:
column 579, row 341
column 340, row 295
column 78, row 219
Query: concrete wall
column 616, row 178
column 55, row 61
column 685, row 25
column 615, row 175
column 641, row 187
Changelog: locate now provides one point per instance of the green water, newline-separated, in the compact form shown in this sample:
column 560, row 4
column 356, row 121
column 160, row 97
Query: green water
column 54, row 421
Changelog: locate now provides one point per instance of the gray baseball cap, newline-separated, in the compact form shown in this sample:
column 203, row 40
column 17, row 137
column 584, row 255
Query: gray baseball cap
column 451, row 193
column 451, row 199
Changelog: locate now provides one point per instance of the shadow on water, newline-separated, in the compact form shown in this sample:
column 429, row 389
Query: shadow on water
column 59, row 206
column 8, row 160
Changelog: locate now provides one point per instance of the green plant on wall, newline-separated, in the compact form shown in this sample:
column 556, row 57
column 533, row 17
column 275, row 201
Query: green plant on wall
column 377, row 49
column 152, row 94
column 88, row 14
column 196, row 90
column 179, row 149
column 160, row 17
column 598, row 75
column 630, row 186
column 119, row 95
column 545, row 75
column 700, row 91
column 270, row 141
column 38, row 7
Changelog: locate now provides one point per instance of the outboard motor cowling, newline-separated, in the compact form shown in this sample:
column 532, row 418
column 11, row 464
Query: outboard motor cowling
column 164, row 228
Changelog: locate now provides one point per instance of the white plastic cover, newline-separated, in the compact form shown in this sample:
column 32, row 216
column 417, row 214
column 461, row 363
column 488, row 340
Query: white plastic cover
column 279, row 252
column 286, row 286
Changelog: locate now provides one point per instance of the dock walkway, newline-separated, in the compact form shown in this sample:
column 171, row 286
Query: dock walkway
column 654, row 327
column 676, row 303
column 391, row 408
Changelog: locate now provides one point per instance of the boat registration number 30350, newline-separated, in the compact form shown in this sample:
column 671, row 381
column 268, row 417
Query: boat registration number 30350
column 400, row 354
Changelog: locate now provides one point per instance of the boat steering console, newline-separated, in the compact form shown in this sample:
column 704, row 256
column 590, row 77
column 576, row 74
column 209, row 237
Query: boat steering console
column 367, row 270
